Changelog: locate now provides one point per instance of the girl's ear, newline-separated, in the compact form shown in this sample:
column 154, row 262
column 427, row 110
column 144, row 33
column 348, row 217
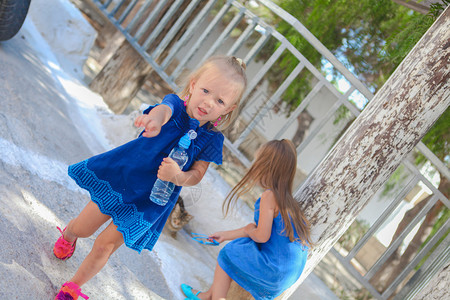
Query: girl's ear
column 191, row 86
column 231, row 108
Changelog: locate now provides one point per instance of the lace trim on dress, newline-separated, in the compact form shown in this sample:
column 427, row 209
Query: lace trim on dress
column 137, row 232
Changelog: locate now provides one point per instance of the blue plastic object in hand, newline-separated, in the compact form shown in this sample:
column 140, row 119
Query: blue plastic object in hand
column 204, row 239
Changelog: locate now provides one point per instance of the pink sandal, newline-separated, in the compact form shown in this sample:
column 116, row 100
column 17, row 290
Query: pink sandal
column 63, row 249
column 70, row 291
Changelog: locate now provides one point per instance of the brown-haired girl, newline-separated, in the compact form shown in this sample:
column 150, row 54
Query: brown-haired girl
column 268, row 256
column 120, row 181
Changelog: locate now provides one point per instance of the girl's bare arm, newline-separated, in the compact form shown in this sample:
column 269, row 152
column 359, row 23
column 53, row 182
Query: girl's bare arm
column 154, row 120
column 260, row 233
column 222, row 236
column 267, row 207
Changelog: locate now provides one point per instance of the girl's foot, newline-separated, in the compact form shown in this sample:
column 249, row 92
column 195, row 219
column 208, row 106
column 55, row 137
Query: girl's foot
column 63, row 249
column 70, row 291
column 189, row 292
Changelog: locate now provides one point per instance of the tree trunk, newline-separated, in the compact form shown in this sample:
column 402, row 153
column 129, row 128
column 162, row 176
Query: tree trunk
column 154, row 83
column 387, row 130
column 304, row 120
column 422, row 7
column 112, row 40
column 120, row 79
column 437, row 288
column 125, row 70
column 92, row 13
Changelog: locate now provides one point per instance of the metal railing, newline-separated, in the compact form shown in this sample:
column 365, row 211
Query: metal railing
column 135, row 19
column 438, row 258
column 144, row 22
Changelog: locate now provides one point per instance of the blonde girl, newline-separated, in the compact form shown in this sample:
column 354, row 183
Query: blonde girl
column 268, row 256
column 120, row 181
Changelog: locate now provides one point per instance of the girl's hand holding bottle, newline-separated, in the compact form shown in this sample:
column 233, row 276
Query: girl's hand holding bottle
column 168, row 171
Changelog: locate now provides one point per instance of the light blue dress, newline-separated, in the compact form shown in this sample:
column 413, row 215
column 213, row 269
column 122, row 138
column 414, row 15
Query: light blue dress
column 265, row 270
column 120, row 181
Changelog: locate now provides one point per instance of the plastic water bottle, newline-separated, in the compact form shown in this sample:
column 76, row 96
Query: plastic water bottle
column 163, row 189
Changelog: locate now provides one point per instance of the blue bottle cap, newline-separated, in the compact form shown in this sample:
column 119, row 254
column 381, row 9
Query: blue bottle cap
column 185, row 140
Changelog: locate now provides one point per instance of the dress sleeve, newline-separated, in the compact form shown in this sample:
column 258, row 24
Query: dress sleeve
column 212, row 151
column 172, row 101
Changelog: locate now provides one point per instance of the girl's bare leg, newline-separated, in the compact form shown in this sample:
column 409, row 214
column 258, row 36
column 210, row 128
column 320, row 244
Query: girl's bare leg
column 219, row 288
column 105, row 244
column 221, row 284
column 88, row 221
column 204, row 295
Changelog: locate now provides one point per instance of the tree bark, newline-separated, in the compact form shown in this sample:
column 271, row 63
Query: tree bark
column 120, row 79
column 111, row 40
column 304, row 121
column 390, row 126
column 92, row 13
column 437, row 288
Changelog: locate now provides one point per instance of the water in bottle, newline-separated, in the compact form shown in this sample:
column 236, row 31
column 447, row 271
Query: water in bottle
column 162, row 190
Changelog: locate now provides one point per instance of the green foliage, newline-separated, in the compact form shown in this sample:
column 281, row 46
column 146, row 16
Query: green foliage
column 353, row 234
column 342, row 114
column 354, row 30
column 370, row 37
column 437, row 139
column 400, row 43
column 443, row 217
column 396, row 178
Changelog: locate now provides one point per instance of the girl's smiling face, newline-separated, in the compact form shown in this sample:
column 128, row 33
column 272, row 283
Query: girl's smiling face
column 213, row 94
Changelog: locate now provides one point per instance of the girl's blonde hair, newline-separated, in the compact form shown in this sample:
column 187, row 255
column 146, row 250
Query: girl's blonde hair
column 274, row 169
column 223, row 64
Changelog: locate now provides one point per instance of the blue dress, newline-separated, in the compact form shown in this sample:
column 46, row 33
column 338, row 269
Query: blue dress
column 120, row 180
column 267, row 269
